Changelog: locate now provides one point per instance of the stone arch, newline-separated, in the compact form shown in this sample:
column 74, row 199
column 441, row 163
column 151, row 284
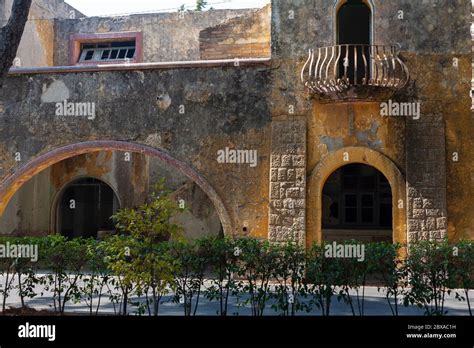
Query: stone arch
column 11, row 184
column 340, row 158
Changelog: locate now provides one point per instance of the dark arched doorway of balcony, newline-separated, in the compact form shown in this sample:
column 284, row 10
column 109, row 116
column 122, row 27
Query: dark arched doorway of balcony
column 354, row 34
column 85, row 207
column 357, row 205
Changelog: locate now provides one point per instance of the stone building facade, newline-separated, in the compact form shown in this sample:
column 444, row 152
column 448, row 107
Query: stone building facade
column 335, row 156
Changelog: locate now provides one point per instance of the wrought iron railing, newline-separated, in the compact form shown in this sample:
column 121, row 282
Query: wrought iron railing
column 334, row 69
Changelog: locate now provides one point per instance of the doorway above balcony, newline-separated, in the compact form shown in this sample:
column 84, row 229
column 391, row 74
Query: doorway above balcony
column 354, row 68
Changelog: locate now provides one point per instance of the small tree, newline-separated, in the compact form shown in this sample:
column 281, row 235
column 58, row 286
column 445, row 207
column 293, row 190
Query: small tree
column 428, row 265
column 151, row 221
column 144, row 267
column 290, row 291
column 7, row 271
column 323, row 277
column 462, row 270
column 389, row 268
column 222, row 260
column 201, row 5
column 97, row 277
column 66, row 260
column 188, row 276
column 10, row 35
column 257, row 267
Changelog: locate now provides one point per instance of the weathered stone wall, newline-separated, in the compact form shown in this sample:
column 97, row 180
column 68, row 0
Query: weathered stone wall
column 240, row 37
column 420, row 149
column 37, row 44
column 190, row 113
column 33, row 209
column 166, row 36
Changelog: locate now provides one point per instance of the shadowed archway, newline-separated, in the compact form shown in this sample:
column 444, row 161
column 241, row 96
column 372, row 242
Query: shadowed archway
column 24, row 173
column 340, row 158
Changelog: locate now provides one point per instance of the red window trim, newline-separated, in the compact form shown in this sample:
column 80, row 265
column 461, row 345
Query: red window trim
column 76, row 40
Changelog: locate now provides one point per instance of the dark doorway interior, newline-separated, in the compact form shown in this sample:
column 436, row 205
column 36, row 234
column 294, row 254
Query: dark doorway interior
column 353, row 28
column 357, row 204
column 86, row 207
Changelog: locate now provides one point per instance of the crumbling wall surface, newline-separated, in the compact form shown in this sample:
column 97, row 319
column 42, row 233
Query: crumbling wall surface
column 34, row 209
column 166, row 36
column 240, row 37
column 37, row 44
column 192, row 113
column 435, row 45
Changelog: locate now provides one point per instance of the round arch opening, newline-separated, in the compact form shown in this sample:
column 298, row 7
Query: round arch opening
column 357, row 205
column 358, row 155
column 84, row 208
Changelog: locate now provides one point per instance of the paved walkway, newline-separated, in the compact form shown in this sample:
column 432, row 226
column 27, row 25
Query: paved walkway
column 375, row 304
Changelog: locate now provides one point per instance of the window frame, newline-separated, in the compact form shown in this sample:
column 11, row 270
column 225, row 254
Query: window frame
column 77, row 40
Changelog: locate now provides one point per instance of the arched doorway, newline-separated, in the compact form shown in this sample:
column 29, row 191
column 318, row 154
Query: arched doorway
column 340, row 158
column 354, row 34
column 85, row 207
column 357, row 205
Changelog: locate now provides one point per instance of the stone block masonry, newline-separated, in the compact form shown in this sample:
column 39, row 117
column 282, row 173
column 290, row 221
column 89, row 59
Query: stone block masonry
column 426, row 179
column 288, row 182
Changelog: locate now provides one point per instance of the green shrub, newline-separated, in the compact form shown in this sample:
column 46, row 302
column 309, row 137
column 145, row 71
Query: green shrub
column 290, row 291
column 324, row 275
column 256, row 265
column 428, row 266
column 390, row 269
column 65, row 260
column 188, row 275
column 222, row 265
column 462, row 270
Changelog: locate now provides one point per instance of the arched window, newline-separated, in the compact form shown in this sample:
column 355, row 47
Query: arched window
column 85, row 208
column 354, row 26
column 357, row 204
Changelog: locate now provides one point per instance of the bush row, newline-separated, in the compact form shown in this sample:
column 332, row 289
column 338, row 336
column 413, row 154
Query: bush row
column 137, row 274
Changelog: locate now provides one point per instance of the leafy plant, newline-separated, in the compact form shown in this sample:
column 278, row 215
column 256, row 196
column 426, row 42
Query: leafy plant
column 428, row 272
column 7, row 270
column 151, row 221
column 323, row 278
column 290, row 291
column 222, row 263
column 462, row 270
column 95, row 280
column 189, row 274
column 154, row 271
column 389, row 268
column 201, row 5
column 65, row 259
column 257, row 268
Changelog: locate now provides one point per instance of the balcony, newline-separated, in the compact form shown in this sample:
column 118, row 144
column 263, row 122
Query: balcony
column 354, row 72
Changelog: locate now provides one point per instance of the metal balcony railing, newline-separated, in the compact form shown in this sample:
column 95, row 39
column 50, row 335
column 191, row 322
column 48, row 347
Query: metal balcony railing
column 333, row 69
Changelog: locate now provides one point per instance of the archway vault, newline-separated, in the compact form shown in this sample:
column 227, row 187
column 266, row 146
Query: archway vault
column 12, row 184
column 340, row 158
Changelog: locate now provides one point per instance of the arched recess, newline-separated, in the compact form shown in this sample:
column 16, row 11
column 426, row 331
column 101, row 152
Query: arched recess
column 11, row 184
column 340, row 158
column 55, row 216
column 337, row 6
